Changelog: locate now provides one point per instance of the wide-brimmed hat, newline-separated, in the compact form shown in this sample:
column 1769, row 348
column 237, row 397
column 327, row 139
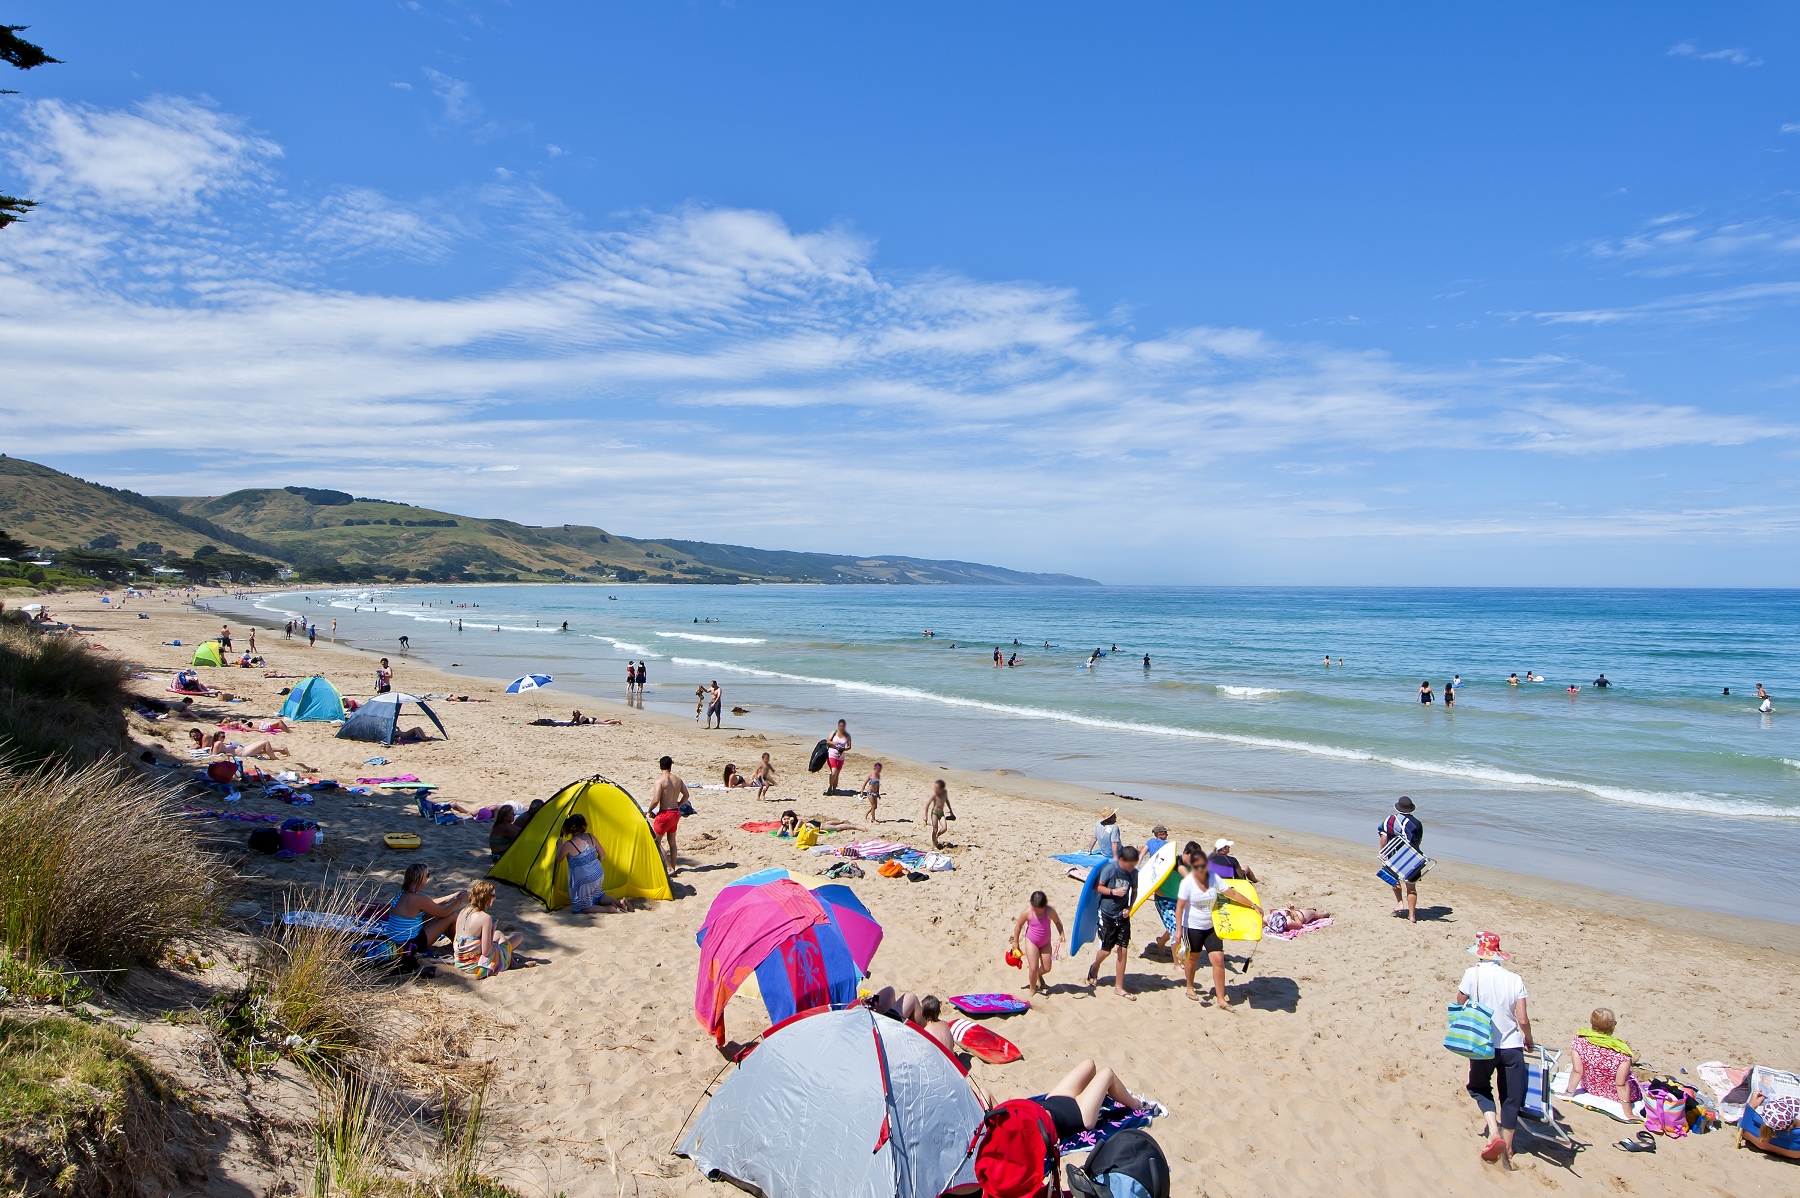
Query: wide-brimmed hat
column 1487, row 947
column 1160, row 830
column 1403, row 805
column 1221, row 843
column 1107, row 813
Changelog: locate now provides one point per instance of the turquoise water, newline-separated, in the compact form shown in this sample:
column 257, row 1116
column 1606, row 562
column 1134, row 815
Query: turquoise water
column 1237, row 713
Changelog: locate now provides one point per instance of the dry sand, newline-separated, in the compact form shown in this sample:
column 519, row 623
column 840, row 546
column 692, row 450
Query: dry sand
column 1328, row 1078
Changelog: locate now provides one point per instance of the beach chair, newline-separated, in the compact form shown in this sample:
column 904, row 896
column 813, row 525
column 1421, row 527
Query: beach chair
column 1539, row 1072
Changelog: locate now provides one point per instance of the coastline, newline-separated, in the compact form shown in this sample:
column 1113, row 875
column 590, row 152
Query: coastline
column 1336, row 1034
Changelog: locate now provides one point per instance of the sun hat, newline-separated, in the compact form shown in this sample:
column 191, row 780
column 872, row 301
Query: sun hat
column 1487, row 947
column 1403, row 805
column 1221, row 843
column 1160, row 830
column 1107, row 813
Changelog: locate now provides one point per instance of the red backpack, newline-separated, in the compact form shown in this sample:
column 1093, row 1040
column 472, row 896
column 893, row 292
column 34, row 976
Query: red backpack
column 1018, row 1156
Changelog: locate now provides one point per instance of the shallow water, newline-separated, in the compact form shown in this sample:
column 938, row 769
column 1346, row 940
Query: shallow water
column 1625, row 789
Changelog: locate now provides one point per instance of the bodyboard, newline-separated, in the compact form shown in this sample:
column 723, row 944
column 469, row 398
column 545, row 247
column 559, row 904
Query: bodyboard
column 1233, row 922
column 978, row 1005
column 978, row 1041
column 1152, row 874
column 1087, row 913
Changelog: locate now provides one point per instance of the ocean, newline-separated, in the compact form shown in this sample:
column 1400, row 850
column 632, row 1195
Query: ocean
column 1660, row 787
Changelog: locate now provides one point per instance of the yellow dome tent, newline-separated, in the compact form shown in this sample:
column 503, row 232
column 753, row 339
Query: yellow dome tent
column 633, row 864
column 208, row 655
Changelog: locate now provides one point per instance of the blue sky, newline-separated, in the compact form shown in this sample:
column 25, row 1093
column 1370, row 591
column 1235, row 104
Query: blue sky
column 1297, row 293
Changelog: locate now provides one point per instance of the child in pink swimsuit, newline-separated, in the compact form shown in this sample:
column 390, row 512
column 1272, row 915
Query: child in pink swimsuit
column 1035, row 922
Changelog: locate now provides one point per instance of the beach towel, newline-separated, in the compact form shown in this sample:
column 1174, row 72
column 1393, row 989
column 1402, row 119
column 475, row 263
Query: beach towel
column 1289, row 932
column 1085, row 860
column 874, row 848
column 333, row 921
column 760, row 825
column 1730, row 1086
column 980, row 1005
column 385, row 781
column 1114, row 1118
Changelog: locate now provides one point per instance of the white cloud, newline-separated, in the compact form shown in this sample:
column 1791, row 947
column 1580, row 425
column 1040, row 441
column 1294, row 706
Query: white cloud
column 1737, row 56
column 1682, row 243
column 1697, row 306
column 460, row 105
column 784, row 367
column 162, row 158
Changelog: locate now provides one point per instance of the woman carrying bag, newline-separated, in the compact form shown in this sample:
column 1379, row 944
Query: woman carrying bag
column 1491, row 998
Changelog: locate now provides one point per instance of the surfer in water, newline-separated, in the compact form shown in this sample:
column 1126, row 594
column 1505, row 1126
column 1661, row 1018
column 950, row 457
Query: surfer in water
column 1093, row 657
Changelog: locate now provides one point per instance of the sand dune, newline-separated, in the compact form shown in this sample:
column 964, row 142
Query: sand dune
column 1329, row 1078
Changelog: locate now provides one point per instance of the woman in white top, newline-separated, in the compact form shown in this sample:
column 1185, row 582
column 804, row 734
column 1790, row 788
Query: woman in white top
column 1194, row 903
column 1503, row 992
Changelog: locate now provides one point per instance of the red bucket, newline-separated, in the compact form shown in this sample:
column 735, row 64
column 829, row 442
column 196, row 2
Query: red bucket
column 297, row 840
column 222, row 771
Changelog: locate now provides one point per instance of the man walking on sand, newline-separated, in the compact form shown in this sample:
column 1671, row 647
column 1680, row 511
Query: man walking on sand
column 1115, row 886
column 1403, row 824
column 937, row 810
column 715, row 706
column 312, row 634
column 666, row 801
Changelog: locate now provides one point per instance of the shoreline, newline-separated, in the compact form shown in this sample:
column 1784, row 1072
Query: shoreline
column 598, row 1060
column 1739, row 929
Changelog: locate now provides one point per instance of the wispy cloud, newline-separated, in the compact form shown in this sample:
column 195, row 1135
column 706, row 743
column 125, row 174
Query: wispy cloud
column 1693, row 307
column 458, row 98
column 1737, row 56
column 625, row 364
column 1684, row 242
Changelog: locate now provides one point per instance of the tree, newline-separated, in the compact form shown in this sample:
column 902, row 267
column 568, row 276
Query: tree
column 24, row 55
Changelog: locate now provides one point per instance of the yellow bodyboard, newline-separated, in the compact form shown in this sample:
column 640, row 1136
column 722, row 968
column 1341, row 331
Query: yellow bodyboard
column 1234, row 922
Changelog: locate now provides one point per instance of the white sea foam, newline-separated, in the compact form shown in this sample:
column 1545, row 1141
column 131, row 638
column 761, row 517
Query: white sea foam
column 1248, row 692
column 717, row 640
column 627, row 647
column 1667, row 800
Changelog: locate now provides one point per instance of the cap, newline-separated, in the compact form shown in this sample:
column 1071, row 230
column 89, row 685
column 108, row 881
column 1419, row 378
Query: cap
column 1487, row 947
column 1221, row 843
column 1403, row 805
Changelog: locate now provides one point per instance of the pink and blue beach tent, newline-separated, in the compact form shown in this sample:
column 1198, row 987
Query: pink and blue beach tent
column 806, row 948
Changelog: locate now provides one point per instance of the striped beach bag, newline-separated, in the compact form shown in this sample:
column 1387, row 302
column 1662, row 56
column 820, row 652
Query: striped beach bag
column 1471, row 1031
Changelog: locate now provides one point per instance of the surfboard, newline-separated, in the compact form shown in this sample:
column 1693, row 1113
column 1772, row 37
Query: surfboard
column 1153, row 873
column 1086, row 924
column 1233, row 922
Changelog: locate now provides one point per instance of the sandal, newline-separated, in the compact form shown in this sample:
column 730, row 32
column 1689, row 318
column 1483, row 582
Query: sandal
column 1645, row 1142
column 1495, row 1148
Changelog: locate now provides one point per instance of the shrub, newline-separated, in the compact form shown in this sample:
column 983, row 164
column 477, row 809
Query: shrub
column 97, row 866
column 57, row 698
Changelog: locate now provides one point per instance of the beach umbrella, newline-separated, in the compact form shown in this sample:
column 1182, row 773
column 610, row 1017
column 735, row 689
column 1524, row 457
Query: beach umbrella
column 531, row 682
column 806, row 948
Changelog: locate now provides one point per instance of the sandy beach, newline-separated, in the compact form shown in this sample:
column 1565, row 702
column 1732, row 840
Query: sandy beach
column 1328, row 1077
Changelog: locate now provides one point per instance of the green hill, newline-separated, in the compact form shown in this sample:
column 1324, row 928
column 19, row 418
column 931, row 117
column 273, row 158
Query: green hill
column 333, row 536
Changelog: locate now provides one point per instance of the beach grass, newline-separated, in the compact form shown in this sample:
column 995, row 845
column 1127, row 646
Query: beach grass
column 98, row 867
column 58, row 698
column 77, row 1108
column 309, row 982
column 361, row 1130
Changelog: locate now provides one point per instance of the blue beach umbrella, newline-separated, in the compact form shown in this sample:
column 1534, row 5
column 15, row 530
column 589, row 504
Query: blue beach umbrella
column 530, row 682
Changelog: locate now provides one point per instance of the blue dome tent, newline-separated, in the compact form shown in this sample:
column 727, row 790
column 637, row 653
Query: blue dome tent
column 378, row 719
column 313, row 699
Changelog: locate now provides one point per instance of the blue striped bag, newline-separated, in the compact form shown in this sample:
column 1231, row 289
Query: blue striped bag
column 1471, row 1031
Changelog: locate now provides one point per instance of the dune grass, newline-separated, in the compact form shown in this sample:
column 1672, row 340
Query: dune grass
column 97, row 866
column 59, row 700
column 361, row 1126
column 311, row 994
column 77, row 1109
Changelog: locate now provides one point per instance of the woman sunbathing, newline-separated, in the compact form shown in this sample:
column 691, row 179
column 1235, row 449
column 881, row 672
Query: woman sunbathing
column 1074, row 1105
column 790, row 824
column 1292, row 919
column 416, row 916
column 733, row 780
column 506, row 829
column 1602, row 1065
column 480, row 948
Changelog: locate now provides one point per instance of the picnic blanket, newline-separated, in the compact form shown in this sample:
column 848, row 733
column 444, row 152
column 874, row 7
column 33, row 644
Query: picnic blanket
column 334, row 922
column 1290, row 932
column 889, row 850
column 1114, row 1118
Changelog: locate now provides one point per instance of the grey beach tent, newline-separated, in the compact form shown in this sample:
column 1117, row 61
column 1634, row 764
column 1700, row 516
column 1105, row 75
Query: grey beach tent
column 841, row 1104
column 378, row 719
